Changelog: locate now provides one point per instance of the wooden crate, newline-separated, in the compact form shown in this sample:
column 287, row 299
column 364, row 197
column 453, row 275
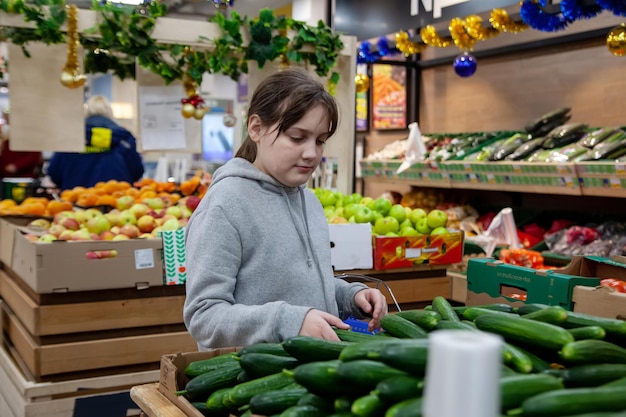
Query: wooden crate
column 109, row 394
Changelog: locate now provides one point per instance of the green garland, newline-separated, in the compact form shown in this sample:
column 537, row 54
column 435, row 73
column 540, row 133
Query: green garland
column 122, row 38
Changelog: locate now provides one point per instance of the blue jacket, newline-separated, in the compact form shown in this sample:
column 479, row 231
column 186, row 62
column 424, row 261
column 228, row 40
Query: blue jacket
column 110, row 153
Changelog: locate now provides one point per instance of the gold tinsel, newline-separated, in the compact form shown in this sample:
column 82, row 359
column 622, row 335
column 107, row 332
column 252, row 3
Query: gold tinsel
column 461, row 38
column 501, row 21
column 474, row 28
column 431, row 37
column 71, row 77
column 407, row 46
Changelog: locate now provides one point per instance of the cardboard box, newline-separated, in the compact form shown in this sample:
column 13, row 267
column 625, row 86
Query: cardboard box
column 63, row 266
column 350, row 246
column 172, row 378
column 600, row 301
column 8, row 225
column 458, row 286
column 492, row 281
column 408, row 251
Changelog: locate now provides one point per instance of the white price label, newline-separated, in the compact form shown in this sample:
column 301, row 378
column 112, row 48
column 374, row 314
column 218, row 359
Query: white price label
column 144, row 259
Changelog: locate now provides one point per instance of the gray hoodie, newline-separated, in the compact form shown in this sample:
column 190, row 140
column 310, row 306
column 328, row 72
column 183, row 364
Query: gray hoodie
column 258, row 259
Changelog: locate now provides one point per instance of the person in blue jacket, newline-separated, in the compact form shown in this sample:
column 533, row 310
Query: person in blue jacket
column 110, row 152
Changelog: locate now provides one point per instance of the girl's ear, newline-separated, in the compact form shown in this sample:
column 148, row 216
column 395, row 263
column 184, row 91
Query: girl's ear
column 255, row 128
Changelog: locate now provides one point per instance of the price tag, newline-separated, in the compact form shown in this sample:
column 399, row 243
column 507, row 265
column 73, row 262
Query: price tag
column 468, row 167
column 615, row 183
column 144, row 259
column 491, row 179
column 517, row 169
column 563, row 169
column 619, row 169
column 568, row 181
column 473, row 178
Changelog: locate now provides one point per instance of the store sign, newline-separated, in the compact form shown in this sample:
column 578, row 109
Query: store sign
column 367, row 19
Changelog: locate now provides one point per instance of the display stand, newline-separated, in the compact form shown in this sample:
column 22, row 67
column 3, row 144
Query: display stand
column 153, row 403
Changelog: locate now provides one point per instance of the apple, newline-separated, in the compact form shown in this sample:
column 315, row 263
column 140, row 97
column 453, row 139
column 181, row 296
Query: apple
column 391, row 234
column 377, row 216
column 407, row 211
column 338, row 220
column 126, row 217
column 139, row 209
column 406, row 223
column 146, row 223
column 183, row 222
column 70, row 223
column 339, row 212
column 31, row 237
column 409, row 231
column 154, row 203
column 386, row 224
column 174, row 211
column 192, row 202
column 416, row 214
column 170, row 224
column 397, row 211
column 329, row 211
column 328, row 198
column 56, row 229
column 120, row 237
column 81, row 234
column 114, row 217
column 146, row 236
column 439, row 231
column 41, row 224
column 350, row 209
column 382, row 205
column 363, row 214
column 422, row 226
column 107, row 235
column 66, row 234
column 437, row 218
column 47, row 238
column 130, row 230
column 98, row 224
column 84, row 215
column 125, row 202
column 62, row 215
column 368, row 202
column 187, row 212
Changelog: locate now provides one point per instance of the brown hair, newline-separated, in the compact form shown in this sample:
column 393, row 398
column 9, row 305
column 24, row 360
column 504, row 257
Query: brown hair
column 284, row 98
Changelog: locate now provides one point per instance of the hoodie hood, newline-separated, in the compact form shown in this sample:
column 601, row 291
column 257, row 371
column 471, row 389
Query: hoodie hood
column 242, row 168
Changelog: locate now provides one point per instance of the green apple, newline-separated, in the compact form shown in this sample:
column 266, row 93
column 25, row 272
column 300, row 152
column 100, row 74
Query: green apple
column 382, row 205
column 368, row 201
column 439, row 231
column 406, row 223
column 416, row 214
column 377, row 216
column 392, row 234
column 422, row 226
column 328, row 198
column 350, row 209
column 386, row 224
column 407, row 211
column 437, row 218
column 363, row 215
column 409, row 231
column 397, row 211
column 329, row 211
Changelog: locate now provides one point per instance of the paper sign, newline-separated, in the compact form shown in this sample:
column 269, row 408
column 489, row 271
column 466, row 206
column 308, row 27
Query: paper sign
column 160, row 120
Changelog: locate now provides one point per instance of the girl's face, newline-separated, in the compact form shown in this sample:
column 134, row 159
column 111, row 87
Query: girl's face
column 292, row 156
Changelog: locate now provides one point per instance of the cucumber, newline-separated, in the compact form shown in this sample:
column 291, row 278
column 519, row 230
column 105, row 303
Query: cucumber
column 369, row 405
column 257, row 365
column 519, row 363
column 552, row 314
column 404, row 356
column 505, row 308
column 612, row 327
column 592, row 375
column 573, row 401
column 264, row 347
column 202, row 408
column 528, row 332
column 352, row 336
column 442, row 306
column 592, row 351
column 401, row 328
column 427, row 320
column 277, row 401
column 303, row 411
column 530, row 308
column 407, row 408
column 320, row 378
column 514, row 390
column 195, row 368
column 473, row 313
column 241, row 394
column 311, row 349
column 372, row 348
column 323, row 403
column 200, row 387
column 399, row 388
column 616, row 383
column 588, row 332
column 364, row 374
column 454, row 325
column 343, row 403
column 518, row 359
column 215, row 403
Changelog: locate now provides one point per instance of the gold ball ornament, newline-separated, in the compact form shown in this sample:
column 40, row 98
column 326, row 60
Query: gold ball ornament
column 229, row 120
column 188, row 110
column 73, row 80
column 616, row 40
column 362, row 82
column 198, row 113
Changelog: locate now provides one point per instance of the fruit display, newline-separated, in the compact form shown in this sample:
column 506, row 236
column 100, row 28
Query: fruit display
column 554, row 363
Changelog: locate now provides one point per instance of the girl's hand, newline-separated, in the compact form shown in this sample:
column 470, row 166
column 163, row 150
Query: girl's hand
column 320, row 324
column 374, row 303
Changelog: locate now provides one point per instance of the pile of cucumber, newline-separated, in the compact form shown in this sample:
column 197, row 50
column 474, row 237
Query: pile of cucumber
column 555, row 363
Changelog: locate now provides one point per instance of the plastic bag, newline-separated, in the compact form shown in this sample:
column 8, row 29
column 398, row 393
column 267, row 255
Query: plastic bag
column 415, row 148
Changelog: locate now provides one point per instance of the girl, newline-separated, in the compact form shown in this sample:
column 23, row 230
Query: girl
column 257, row 246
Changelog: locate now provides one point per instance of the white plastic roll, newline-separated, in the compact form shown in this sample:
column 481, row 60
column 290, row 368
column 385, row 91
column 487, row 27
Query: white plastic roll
column 462, row 374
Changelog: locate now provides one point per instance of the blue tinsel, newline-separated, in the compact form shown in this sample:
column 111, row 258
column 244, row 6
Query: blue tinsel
column 384, row 49
column 533, row 15
column 617, row 7
column 365, row 54
column 576, row 9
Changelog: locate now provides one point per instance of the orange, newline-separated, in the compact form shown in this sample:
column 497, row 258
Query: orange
column 34, row 208
column 106, row 200
column 57, row 206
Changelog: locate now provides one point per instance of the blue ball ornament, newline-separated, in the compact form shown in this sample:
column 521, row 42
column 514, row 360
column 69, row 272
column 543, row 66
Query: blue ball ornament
column 465, row 65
